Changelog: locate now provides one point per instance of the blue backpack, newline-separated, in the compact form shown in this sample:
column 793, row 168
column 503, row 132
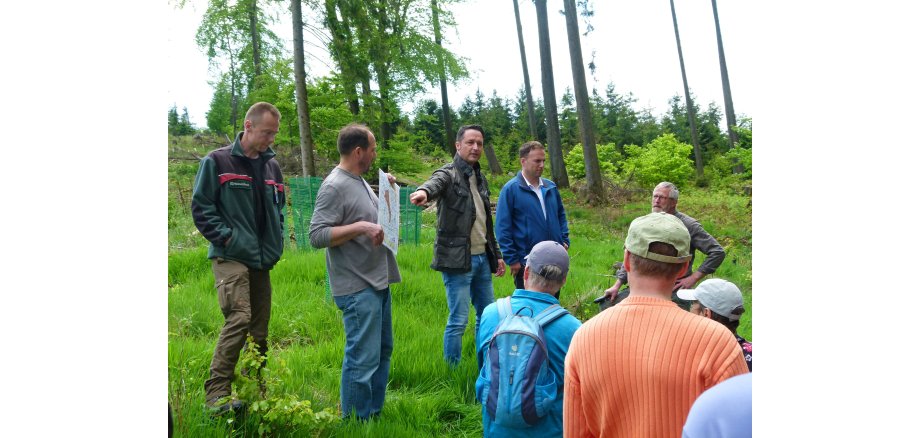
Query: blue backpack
column 515, row 383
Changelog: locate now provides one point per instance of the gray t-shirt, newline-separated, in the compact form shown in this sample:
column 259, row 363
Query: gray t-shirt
column 357, row 264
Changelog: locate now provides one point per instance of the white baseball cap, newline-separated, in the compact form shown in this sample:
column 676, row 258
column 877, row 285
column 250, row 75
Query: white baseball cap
column 720, row 296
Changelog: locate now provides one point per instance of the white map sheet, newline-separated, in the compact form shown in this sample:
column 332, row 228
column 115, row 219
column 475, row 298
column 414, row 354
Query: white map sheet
column 388, row 211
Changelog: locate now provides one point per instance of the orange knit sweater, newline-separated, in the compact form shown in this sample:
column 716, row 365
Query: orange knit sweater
column 635, row 369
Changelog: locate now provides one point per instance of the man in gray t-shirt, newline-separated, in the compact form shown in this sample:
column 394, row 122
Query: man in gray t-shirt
column 360, row 271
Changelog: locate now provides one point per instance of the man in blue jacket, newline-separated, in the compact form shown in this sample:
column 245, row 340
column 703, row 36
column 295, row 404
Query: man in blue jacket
column 529, row 211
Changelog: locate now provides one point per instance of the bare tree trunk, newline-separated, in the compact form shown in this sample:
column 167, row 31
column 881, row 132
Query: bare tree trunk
column 254, row 33
column 386, row 110
column 726, row 90
column 445, row 107
column 303, row 106
column 381, row 61
column 691, row 114
column 553, row 140
column 234, row 102
column 531, row 116
column 583, row 105
column 494, row 165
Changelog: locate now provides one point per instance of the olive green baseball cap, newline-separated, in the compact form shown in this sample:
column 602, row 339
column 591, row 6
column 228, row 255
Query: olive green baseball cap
column 658, row 227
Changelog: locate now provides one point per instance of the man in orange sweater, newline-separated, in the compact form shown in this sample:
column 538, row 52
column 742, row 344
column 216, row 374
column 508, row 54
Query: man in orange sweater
column 636, row 368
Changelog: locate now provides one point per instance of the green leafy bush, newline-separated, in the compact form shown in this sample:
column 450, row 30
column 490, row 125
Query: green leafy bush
column 400, row 154
column 608, row 157
column 276, row 413
column 663, row 159
column 720, row 174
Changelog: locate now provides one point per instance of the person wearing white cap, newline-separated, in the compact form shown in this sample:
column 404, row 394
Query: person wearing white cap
column 720, row 301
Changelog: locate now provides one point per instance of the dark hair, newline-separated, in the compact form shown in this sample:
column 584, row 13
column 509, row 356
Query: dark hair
column 464, row 128
column 525, row 149
column 732, row 325
column 654, row 268
column 351, row 136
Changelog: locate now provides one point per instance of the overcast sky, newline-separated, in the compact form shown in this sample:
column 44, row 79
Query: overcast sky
column 632, row 45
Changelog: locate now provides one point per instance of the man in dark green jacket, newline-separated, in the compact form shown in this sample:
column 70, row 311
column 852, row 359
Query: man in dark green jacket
column 238, row 205
column 465, row 250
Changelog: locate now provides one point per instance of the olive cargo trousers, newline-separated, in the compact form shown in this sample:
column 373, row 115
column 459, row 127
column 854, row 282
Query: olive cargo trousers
column 245, row 297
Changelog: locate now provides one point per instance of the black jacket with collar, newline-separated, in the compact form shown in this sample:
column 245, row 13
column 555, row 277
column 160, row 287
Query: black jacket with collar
column 450, row 186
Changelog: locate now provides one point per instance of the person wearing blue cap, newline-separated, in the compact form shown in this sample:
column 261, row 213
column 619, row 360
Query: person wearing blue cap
column 545, row 272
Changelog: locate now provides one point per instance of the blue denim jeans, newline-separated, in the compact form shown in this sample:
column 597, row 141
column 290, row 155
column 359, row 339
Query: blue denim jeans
column 368, row 346
column 475, row 286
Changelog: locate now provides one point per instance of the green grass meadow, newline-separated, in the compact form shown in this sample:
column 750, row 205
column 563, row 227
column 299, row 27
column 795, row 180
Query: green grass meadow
column 424, row 397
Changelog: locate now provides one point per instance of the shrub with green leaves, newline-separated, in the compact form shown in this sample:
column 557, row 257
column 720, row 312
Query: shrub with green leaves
column 607, row 155
column 663, row 159
column 275, row 412
column 719, row 170
column 400, row 153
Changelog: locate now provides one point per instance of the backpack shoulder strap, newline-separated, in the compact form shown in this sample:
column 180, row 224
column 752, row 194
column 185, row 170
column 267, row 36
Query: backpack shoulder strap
column 550, row 314
column 504, row 307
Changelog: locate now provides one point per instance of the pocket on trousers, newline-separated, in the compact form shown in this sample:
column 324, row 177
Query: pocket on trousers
column 345, row 303
column 228, row 291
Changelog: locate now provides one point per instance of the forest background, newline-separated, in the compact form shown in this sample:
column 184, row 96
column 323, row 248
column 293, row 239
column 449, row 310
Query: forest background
column 85, row 103
column 603, row 152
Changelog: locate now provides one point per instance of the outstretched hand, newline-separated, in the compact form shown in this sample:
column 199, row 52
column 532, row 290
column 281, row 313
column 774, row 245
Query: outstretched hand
column 420, row 197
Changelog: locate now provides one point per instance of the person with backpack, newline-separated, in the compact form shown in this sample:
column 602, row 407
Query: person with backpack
column 522, row 343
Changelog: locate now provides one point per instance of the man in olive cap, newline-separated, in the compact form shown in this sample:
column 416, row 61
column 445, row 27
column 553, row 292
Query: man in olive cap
column 664, row 199
column 636, row 368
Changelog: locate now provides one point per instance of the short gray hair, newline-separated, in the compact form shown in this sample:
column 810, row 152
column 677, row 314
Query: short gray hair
column 538, row 281
column 674, row 193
